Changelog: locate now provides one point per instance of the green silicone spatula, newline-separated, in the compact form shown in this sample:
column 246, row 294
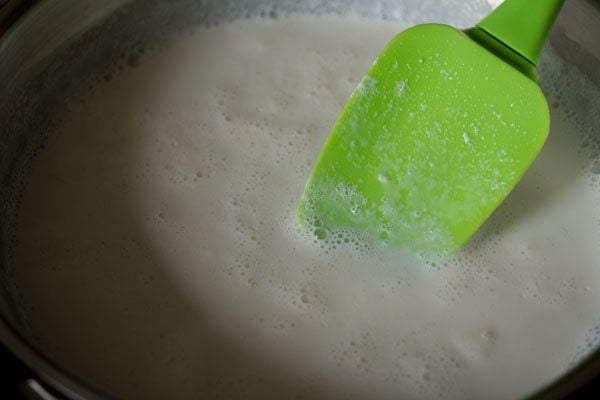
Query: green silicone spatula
column 437, row 133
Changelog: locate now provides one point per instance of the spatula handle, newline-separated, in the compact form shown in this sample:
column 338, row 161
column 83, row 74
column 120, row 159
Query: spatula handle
column 523, row 25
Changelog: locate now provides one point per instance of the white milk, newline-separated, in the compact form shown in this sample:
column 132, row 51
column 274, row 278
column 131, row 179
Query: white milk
column 159, row 255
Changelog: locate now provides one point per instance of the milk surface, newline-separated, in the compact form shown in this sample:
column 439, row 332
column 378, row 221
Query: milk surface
column 159, row 255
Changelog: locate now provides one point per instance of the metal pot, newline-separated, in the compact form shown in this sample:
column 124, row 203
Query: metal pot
column 48, row 48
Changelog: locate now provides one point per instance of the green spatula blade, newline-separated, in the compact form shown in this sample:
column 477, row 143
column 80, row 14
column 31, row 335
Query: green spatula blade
column 435, row 136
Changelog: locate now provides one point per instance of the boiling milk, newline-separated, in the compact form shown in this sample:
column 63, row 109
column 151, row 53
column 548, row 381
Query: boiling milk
column 159, row 254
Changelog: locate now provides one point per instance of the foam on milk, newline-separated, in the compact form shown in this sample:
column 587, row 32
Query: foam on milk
column 160, row 257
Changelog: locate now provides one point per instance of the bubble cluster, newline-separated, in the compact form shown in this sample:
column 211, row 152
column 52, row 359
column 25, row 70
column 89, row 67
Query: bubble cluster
column 183, row 233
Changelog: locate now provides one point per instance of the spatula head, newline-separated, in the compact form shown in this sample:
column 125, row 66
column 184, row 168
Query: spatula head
column 432, row 140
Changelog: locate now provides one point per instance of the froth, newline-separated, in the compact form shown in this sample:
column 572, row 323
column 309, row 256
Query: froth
column 162, row 218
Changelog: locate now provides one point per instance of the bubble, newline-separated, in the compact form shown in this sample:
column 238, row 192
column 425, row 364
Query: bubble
column 383, row 178
column 466, row 138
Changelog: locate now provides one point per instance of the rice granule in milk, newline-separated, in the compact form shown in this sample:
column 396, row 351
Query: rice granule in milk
column 159, row 255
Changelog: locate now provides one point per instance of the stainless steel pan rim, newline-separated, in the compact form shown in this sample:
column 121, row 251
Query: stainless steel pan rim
column 47, row 371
